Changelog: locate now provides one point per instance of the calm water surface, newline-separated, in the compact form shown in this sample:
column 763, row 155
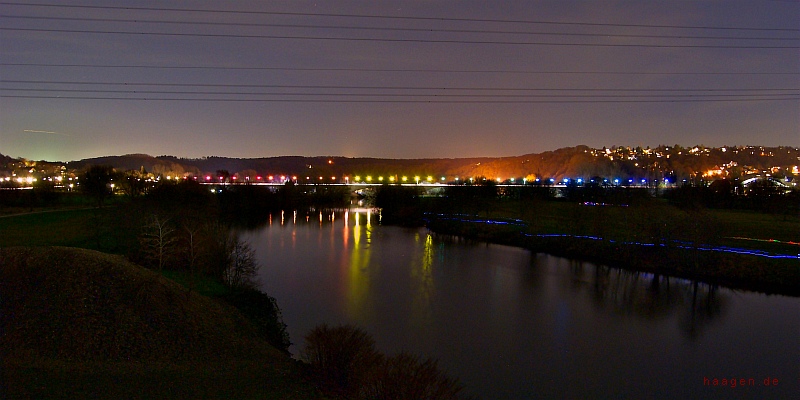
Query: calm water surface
column 511, row 324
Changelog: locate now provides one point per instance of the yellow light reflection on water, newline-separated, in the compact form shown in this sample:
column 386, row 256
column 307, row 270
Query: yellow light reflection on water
column 357, row 282
column 422, row 273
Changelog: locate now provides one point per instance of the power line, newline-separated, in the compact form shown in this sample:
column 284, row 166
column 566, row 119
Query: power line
column 415, row 70
column 295, row 94
column 398, row 101
column 365, row 87
column 393, row 17
column 391, row 29
column 395, row 40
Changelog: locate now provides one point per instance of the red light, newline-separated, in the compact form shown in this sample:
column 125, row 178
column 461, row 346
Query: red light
column 258, row 177
column 208, row 178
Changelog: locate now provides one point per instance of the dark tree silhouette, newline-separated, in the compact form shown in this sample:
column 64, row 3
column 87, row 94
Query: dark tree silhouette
column 96, row 182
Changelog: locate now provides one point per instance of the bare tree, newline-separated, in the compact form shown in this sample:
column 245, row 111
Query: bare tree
column 242, row 265
column 158, row 240
column 191, row 247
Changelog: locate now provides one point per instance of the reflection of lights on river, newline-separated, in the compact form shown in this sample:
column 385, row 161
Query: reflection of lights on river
column 422, row 273
column 346, row 232
column 357, row 279
column 427, row 258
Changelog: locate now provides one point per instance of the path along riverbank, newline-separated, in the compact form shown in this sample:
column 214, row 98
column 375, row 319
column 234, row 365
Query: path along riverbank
column 738, row 268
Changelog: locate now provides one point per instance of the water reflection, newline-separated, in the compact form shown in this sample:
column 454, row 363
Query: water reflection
column 358, row 279
column 611, row 291
column 511, row 324
column 649, row 296
column 422, row 285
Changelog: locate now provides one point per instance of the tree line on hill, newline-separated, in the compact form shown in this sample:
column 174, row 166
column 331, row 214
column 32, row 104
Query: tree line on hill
column 676, row 163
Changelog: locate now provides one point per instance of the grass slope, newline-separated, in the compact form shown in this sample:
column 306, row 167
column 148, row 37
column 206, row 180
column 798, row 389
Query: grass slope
column 79, row 323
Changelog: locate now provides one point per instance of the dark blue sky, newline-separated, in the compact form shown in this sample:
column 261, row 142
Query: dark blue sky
column 397, row 79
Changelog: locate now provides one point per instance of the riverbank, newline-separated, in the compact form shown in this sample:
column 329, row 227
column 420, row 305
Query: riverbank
column 78, row 323
column 745, row 269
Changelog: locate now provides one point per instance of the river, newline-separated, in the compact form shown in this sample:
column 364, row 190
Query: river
column 510, row 324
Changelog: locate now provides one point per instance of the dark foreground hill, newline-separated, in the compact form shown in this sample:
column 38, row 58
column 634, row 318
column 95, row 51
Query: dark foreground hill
column 79, row 323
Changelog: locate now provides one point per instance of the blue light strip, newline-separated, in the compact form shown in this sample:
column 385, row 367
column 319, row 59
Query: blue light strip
column 676, row 243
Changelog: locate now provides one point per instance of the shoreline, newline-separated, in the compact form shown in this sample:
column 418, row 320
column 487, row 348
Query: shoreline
column 734, row 271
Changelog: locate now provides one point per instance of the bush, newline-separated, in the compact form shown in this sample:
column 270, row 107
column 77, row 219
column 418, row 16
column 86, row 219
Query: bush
column 262, row 310
column 405, row 376
column 340, row 357
column 343, row 360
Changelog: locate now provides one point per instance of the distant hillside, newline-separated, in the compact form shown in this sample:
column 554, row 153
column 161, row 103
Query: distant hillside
column 5, row 160
column 579, row 161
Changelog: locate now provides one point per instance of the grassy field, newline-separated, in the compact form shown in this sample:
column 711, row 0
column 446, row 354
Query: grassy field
column 675, row 239
column 83, row 324
column 105, row 229
column 736, row 228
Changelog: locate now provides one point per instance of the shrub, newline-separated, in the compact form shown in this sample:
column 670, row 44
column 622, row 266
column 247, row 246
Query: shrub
column 263, row 312
column 340, row 357
column 343, row 360
column 405, row 376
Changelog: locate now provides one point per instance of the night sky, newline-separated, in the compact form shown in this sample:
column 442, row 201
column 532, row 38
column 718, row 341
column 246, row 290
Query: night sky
column 393, row 79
